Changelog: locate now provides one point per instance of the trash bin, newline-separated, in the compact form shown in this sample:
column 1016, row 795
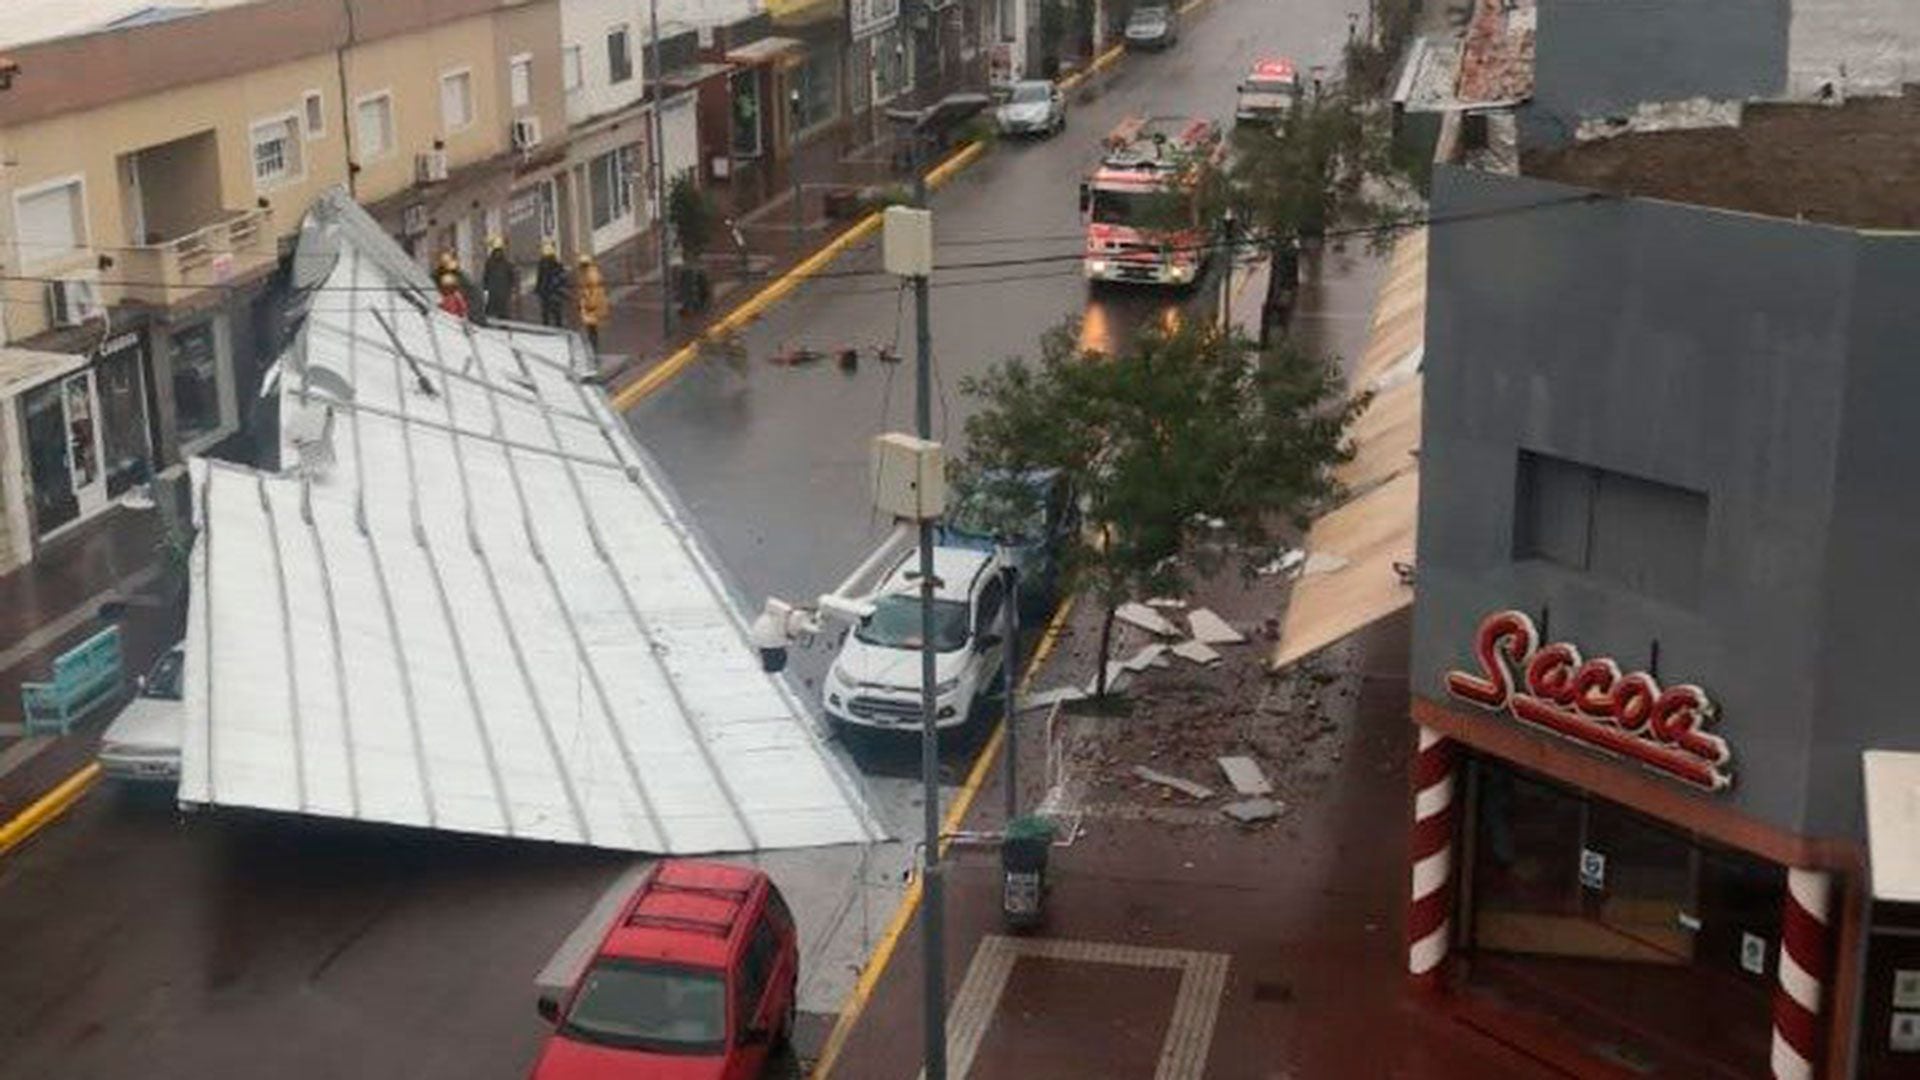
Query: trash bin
column 1023, row 871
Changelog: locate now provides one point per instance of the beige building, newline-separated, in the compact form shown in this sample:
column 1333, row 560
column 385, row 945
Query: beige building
column 157, row 162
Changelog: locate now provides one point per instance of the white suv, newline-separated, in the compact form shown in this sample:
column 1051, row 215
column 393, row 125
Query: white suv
column 875, row 682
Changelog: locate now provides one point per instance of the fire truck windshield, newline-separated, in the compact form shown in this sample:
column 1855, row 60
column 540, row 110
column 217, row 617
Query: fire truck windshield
column 1138, row 209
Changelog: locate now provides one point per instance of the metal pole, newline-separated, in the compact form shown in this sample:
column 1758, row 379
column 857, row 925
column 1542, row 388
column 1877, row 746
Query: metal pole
column 1012, row 668
column 933, row 894
column 793, row 164
column 659, row 157
column 1226, row 279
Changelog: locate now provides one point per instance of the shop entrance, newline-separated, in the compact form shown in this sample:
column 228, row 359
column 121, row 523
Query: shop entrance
column 1651, row 946
column 63, row 451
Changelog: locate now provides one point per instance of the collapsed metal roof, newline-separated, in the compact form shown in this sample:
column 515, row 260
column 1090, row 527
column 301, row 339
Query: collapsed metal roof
column 469, row 602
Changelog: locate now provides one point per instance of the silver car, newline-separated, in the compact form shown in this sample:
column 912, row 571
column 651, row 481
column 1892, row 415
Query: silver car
column 1032, row 107
column 143, row 742
column 1152, row 28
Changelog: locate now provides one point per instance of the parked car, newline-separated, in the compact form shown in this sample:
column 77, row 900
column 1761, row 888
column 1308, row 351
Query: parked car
column 696, row 978
column 143, row 742
column 875, row 681
column 1032, row 107
column 1026, row 520
column 1153, row 27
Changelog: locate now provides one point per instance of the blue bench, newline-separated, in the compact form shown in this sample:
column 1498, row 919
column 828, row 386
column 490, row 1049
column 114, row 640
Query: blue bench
column 84, row 677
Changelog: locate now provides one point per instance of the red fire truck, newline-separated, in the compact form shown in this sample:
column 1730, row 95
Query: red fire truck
column 1141, row 205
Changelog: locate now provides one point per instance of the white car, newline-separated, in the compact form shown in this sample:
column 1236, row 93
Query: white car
column 1033, row 107
column 875, row 682
column 143, row 742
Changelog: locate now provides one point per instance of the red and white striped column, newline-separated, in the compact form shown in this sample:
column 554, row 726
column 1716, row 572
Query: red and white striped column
column 1430, row 913
column 1805, row 949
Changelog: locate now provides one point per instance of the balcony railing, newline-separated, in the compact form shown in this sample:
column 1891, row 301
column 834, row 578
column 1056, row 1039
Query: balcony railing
column 228, row 250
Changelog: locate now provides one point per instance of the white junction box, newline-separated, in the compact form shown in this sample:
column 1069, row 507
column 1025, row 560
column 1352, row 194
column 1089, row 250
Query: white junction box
column 909, row 477
column 906, row 241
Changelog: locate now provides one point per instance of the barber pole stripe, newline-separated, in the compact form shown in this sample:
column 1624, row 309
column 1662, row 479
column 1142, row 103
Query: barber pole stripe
column 1431, row 907
column 1804, row 966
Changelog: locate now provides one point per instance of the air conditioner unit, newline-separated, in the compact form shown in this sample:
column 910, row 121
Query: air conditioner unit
column 73, row 301
column 526, row 133
column 430, row 167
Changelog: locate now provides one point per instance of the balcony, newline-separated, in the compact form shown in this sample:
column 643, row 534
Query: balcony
column 233, row 247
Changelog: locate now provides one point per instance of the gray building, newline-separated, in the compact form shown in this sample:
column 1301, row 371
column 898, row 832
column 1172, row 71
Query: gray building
column 1668, row 549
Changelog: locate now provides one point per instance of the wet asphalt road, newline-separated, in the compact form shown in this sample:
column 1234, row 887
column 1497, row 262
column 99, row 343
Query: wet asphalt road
column 138, row 943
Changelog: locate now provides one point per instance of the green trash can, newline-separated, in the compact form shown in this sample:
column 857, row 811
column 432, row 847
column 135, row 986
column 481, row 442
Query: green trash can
column 1023, row 871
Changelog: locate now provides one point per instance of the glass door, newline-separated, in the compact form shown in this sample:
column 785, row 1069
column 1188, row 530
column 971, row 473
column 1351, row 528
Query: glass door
column 83, row 442
column 63, row 451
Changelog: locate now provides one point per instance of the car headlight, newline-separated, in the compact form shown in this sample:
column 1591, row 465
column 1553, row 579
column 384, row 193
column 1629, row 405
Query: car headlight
column 1179, row 273
column 941, row 689
column 1096, row 266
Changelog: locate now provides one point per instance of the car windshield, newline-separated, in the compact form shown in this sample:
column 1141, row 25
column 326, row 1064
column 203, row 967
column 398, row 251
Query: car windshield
column 1140, row 209
column 1284, row 87
column 1030, row 93
column 659, row 1007
column 1148, row 19
column 991, row 514
column 895, row 624
column 163, row 679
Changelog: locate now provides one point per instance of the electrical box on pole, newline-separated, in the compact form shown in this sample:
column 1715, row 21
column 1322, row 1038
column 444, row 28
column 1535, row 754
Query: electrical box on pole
column 909, row 477
column 907, row 241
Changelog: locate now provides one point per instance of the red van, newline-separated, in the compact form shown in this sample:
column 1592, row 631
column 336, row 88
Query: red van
column 695, row 980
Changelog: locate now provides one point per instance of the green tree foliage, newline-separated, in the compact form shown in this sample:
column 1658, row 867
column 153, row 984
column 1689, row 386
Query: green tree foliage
column 1327, row 162
column 1186, row 450
column 693, row 214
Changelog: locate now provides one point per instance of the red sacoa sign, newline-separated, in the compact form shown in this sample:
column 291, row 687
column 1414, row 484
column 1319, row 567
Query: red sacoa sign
column 1591, row 701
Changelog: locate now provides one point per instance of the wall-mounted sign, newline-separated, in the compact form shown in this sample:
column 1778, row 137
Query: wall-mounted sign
column 1592, row 701
column 866, row 18
column 1753, row 953
column 1906, row 988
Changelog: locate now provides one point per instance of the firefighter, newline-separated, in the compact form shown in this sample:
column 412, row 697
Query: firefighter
column 497, row 277
column 593, row 300
column 452, row 300
column 550, row 285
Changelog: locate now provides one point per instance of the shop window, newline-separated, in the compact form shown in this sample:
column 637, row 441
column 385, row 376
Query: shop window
column 50, row 221
column 817, row 81
column 196, row 383
column 892, row 65
column 619, row 56
column 745, row 98
column 123, row 418
column 54, row 501
column 570, row 68
column 1646, row 536
column 610, row 185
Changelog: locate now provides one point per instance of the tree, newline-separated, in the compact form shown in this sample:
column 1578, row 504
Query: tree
column 1185, row 448
column 692, row 213
column 1328, row 163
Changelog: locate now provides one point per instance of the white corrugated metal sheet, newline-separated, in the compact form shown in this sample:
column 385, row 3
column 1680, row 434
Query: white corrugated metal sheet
column 468, row 603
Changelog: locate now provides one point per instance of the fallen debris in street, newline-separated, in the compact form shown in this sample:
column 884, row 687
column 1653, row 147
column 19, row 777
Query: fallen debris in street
column 1322, row 562
column 1289, row 559
column 1253, row 811
column 1144, row 617
column 1153, row 655
column 1180, row 784
column 1212, row 629
column 1197, row 651
column 1046, row 699
column 1245, row 775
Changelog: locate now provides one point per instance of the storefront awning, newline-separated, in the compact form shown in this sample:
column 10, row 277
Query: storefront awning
column 1352, row 576
column 765, row 50
column 469, row 602
column 1893, row 823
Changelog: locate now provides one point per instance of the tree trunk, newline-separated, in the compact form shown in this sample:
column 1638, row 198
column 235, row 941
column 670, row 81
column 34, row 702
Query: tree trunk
column 1106, row 643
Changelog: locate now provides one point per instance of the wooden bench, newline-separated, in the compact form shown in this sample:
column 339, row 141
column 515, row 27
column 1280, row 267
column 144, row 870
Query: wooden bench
column 84, row 677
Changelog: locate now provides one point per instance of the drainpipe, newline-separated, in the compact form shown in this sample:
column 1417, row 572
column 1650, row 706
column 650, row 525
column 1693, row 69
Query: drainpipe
column 346, row 102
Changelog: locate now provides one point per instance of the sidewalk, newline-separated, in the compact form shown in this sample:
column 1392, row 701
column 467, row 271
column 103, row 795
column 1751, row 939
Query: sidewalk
column 1179, row 944
column 55, row 602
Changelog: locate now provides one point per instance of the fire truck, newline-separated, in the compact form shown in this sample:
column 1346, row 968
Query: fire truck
column 1141, row 205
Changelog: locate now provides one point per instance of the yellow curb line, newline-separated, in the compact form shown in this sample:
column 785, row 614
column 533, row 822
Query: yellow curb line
column 48, row 807
column 740, row 316
column 910, row 900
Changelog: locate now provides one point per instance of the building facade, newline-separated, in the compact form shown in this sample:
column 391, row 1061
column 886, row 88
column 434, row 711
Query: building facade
column 159, row 164
column 1663, row 561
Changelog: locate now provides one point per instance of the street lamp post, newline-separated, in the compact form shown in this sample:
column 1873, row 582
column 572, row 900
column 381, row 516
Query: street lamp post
column 793, row 162
column 659, row 156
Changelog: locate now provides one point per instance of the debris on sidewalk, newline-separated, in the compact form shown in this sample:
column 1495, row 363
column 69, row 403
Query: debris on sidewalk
column 1153, row 655
column 1046, row 699
column 1172, row 602
column 1180, row 784
column 1289, row 559
column 1211, row 629
column 1253, row 811
column 1197, row 651
column 1118, row 676
column 1144, row 617
column 1245, row 775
